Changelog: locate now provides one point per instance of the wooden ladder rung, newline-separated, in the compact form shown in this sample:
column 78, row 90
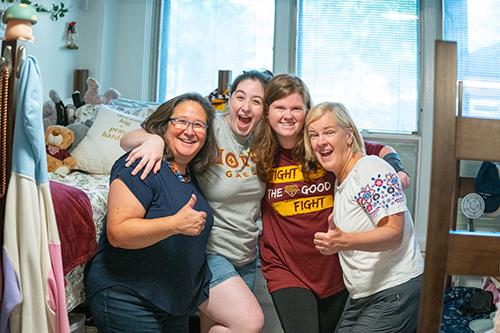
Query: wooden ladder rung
column 473, row 253
column 478, row 139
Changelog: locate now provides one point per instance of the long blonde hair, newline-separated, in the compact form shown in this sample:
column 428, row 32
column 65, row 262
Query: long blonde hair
column 344, row 120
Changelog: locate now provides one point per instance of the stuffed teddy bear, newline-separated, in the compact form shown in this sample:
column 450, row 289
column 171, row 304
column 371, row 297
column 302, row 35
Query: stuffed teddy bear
column 92, row 94
column 58, row 139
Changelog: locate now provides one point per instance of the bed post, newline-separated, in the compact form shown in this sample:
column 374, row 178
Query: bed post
column 7, row 117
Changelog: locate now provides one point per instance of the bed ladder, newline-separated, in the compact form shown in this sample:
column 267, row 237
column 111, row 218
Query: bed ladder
column 448, row 251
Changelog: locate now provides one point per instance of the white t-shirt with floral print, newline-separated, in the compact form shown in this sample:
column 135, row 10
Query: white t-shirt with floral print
column 370, row 192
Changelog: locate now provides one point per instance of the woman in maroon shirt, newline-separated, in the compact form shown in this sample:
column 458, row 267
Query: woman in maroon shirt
column 306, row 287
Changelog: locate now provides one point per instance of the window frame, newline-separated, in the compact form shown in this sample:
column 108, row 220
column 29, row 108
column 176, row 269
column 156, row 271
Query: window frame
column 163, row 7
column 285, row 53
column 430, row 30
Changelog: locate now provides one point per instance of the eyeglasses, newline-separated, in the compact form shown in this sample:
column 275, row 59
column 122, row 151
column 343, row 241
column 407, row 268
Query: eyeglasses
column 183, row 124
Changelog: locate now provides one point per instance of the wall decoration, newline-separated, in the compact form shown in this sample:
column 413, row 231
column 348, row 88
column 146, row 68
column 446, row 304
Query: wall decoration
column 71, row 36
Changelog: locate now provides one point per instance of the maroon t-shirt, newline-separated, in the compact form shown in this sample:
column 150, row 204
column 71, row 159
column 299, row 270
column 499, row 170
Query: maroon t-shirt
column 373, row 148
column 293, row 210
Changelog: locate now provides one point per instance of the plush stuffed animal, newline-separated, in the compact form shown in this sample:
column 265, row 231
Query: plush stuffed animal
column 80, row 130
column 56, row 113
column 77, row 99
column 92, row 94
column 49, row 114
column 58, row 139
column 65, row 113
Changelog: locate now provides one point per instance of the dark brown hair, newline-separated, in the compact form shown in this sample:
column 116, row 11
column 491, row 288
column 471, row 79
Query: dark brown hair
column 263, row 76
column 157, row 123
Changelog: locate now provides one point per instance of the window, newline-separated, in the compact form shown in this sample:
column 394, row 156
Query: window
column 475, row 26
column 364, row 54
column 199, row 37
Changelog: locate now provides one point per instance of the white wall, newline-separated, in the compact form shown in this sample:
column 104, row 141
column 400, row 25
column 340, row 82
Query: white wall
column 115, row 37
column 112, row 37
column 432, row 21
column 55, row 60
column 132, row 49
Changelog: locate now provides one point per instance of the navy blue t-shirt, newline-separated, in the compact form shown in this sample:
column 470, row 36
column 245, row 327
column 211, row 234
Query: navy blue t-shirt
column 172, row 274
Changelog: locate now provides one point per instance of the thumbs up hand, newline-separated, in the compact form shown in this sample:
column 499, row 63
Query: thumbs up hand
column 191, row 222
column 331, row 241
column 331, row 223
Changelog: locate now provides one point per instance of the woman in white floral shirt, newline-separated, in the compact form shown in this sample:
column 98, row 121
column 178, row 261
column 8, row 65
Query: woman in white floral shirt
column 370, row 227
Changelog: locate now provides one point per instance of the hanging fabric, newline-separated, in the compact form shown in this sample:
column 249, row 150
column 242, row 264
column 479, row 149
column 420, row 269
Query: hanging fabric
column 34, row 299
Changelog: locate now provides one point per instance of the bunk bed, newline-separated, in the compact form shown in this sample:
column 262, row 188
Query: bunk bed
column 449, row 251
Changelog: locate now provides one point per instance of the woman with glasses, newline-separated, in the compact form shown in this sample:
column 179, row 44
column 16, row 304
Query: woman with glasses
column 234, row 191
column 150, row 271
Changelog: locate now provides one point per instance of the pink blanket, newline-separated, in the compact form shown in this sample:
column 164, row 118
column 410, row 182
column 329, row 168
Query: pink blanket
column 74, row 223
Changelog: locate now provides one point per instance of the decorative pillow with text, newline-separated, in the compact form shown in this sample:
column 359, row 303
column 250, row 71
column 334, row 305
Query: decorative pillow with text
column 100, row 147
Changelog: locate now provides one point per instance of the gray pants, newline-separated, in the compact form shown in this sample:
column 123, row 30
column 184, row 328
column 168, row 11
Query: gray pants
column 392, row 310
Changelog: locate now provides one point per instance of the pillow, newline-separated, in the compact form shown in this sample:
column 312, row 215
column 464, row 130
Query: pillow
column 132, row 103
column 87, row 113
column 144, row 112
column 100, row 147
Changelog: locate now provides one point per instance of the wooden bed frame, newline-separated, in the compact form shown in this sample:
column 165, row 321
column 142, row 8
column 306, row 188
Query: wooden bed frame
column 448, row 251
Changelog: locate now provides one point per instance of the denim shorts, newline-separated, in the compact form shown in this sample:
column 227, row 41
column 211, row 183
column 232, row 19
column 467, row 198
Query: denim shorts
column 119, row 309
column 222, row 270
